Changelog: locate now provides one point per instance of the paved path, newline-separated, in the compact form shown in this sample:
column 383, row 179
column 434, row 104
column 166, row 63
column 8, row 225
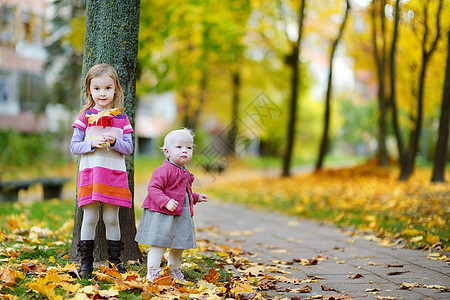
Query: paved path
column 271, row 237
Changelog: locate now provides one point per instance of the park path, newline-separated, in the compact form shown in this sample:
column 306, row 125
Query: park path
column 347, row 262
column 271, row 238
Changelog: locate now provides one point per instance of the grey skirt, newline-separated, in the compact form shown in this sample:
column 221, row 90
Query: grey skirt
column 167, row 231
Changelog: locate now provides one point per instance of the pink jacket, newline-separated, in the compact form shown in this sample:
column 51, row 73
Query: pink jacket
column 170, row 182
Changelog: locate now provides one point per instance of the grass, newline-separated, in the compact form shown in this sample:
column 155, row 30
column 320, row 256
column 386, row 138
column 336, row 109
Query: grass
column 36, row 238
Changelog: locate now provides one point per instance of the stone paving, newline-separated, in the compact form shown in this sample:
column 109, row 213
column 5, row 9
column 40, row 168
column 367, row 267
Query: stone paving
column 272, row 239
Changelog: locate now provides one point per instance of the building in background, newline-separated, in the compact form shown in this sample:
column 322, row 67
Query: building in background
column 22, row 65
column 155, row 116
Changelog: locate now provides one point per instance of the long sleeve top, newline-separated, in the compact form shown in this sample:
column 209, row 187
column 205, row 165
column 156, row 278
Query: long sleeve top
column 79, row 146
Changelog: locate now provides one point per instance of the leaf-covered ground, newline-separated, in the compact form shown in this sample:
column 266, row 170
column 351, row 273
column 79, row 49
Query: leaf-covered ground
column 34, row 264
column 35, row 237
column 369, row 198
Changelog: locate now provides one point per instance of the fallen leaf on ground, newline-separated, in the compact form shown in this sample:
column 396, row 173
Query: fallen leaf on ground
column 393, row 266
column 397, row 273
column 324, row 288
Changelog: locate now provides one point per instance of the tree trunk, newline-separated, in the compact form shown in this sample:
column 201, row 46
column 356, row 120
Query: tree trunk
column 440, row 154
column 325, row 139
column 202, row 98
column 426, row 56
column 235, row 109
column 380, row 60
column 400, row 143
column 112, row 29
column 294, row 61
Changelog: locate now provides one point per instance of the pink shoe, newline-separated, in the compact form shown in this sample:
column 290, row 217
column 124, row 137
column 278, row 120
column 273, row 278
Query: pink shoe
column 176, row 273
column 152, row 274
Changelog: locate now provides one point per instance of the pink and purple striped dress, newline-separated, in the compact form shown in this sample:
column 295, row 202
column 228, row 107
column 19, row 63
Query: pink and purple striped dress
column 102, row 175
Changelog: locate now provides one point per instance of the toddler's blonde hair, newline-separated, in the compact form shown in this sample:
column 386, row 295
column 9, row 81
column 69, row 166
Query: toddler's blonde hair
column 169, row 137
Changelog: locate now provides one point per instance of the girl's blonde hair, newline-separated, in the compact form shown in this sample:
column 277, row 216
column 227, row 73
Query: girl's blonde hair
column 98, row 71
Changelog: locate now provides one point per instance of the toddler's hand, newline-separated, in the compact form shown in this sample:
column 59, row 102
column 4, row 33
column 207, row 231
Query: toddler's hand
column 171, row 205
column 202, row 198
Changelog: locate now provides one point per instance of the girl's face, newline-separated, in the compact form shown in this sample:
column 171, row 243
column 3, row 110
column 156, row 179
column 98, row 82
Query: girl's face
column 102, row 91
column 179, row 150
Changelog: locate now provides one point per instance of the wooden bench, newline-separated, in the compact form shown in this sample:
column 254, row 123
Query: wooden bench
column 52, row 187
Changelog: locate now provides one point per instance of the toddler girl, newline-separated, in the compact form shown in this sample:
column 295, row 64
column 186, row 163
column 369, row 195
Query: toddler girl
column 168, row 208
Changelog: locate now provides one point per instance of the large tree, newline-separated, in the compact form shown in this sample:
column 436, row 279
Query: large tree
column 111, row 37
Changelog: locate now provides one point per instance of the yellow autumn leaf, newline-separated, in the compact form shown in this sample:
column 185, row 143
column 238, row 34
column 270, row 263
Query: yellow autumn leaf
column 435, row 286
column 52, row 259
column 8, row 276
column 71, row 288
column 410, row 285
column 110, row 293
column 81, row 296
column 223, row 254
column 436, row 256
column 255, row 270
column 433, row 239
column 47, row 290
column 410, row 232
column 416, row 239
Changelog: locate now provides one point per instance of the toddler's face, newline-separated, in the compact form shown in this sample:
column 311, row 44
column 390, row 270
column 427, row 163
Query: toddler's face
column 102, row 90
column 180, row 149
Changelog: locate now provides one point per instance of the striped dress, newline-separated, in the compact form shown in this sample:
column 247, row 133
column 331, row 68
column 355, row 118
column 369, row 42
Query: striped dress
column 103, row 176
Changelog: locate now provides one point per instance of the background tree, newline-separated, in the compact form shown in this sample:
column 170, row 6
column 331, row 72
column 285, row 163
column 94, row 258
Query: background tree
column 429, row 44
column 111, row 37
column 440, row 156
column 293, row 61
column 393, row 96
column 326, row 124
column 65, row 51
column 379, row 52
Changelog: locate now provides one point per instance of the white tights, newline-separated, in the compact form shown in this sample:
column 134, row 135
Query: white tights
column 155, row 255
column 110, row 218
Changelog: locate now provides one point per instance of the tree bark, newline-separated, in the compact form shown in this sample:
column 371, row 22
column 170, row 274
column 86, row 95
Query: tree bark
column 325, row 136
column 426, row 56
column 380, row 60
column 236, row 79
column 393, row 103
column 440, row 155
column 294, row 61
column 111, row 37
column 202, row 99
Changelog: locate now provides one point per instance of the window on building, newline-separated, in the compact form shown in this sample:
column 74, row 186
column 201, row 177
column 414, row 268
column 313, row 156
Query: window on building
column 6, row 24
column 31, row 91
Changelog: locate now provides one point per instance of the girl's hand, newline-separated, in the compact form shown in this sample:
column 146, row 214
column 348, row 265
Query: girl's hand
column 202, row 198
column 171, row 205
column 98, row 142
column 110, row 137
